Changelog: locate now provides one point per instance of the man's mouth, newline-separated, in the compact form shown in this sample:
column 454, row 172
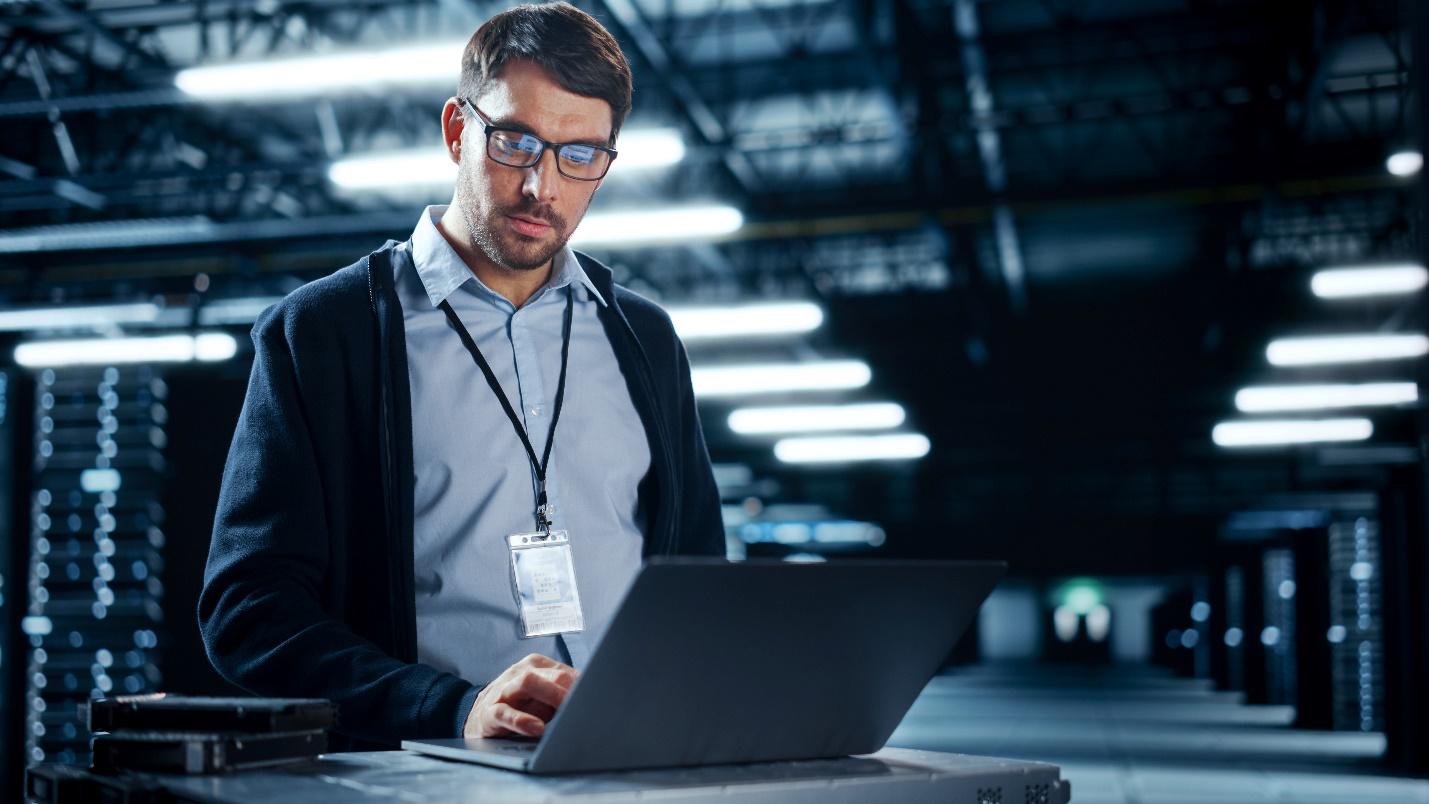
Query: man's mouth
column 531, row 227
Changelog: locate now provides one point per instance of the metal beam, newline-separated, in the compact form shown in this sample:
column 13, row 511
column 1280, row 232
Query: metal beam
column 88, row 24
column 706, row 123
column 989, row 148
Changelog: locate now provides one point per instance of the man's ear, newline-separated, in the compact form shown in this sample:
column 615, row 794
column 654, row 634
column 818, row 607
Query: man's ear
column 453, row 123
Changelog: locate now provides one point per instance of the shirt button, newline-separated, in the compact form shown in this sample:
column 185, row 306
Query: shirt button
column 536, row 411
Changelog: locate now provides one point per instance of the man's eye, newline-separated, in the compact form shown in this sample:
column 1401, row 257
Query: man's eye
column 529, row 144
column 514, row 142
column 579, row 154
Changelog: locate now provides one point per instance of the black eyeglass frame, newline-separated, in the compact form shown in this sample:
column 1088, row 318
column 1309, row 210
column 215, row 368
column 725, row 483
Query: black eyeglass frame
column 546, row 145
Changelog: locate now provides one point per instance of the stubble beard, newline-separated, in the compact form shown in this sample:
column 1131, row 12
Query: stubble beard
column 516, row 252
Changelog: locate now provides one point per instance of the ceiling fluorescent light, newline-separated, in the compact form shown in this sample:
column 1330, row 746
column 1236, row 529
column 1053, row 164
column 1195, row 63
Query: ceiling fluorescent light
column 746, row 320
column 424, row 167
column 669, row 225
column 317, row 75
column 36, row 319
column 205, row 347
column 104, row 235
column 846, row 449
column 1322, row 350
column 1269, row 398
column 1404, row 163
column 412, row 168
column 814, row 418
column 648, row 148
column 111, row 235
column 772, row 378
column 229, row 312
column 1377, row 280
column 1277, row 432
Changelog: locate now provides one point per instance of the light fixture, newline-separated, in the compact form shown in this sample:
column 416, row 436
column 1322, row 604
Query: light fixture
column 408, row 168
column 847, row 449
column 772, row 378
column 666, row 225
column 235, row 311
column 1099, row 623
column 648, row 148
column 1320, row 350
column 746, row 320
column 95, row 481
column 76, row 317
column 640, row 149
column 1269, row 398
column 1404, row 163
column 1369, row 280
column 132, row 233
column 319, row 75
column 1080, row 594
column 1276, row 432
column 204, row 347
column 1066, row 623
column 814, row 418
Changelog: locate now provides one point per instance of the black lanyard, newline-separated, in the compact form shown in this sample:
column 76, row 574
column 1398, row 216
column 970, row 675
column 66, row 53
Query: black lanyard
column 543, row 510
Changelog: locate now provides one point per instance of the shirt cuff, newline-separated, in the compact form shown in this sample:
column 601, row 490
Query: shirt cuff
column 463, row 709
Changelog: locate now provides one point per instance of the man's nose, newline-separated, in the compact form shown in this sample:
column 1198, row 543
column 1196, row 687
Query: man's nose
column 542, row 178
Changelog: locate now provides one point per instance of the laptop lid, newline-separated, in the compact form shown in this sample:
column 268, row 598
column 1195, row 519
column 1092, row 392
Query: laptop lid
column 710, row 662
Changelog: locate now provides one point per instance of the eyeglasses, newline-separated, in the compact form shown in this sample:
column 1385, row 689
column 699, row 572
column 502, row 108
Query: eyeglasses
column 515, row 148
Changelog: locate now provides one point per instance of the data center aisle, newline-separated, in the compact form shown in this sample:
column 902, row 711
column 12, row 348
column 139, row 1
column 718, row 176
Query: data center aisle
column 1143, row 736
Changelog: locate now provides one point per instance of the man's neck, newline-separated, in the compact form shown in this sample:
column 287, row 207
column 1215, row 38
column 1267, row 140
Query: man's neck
column 515, row 286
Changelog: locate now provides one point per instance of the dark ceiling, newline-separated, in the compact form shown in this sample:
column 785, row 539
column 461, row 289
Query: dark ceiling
column 1060, row 232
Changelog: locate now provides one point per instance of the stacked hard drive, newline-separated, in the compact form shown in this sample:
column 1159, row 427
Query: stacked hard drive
column 139, row 735
column 163, row 733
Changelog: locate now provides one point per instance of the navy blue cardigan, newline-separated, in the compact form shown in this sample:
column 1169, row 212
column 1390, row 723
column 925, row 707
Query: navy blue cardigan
column 308, row 590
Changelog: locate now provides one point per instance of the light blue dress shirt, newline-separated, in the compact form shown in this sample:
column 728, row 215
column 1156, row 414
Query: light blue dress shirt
column 474, row 483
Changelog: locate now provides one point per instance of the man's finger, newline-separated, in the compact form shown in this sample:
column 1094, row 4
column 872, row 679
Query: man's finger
column 561, row 676
column 543, row 711
column 537, row 688
column 539, row 660
column 522, row 723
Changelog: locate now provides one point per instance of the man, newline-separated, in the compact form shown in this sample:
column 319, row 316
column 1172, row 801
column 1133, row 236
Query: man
column 418, row 420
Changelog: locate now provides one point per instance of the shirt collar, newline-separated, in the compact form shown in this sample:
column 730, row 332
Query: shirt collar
column 442, row 270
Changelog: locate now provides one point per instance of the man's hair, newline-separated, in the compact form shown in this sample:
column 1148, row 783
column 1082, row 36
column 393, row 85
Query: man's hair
column 566, row 42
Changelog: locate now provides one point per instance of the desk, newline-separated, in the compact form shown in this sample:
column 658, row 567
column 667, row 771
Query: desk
column 891, row 775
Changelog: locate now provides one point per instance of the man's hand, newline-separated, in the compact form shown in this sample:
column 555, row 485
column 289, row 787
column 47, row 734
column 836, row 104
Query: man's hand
column 520, row 701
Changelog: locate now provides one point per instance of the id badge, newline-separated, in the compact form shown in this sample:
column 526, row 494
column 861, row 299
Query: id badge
column 543, row 576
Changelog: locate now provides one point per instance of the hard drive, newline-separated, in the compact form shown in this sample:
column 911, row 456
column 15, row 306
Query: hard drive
column 67, row 784
column 175, row 752
column 177, row 713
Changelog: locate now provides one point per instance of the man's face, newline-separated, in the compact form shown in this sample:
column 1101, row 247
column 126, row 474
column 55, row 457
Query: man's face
column 520, row 217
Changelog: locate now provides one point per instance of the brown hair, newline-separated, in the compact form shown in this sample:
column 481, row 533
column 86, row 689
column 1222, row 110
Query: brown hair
column 563, row 40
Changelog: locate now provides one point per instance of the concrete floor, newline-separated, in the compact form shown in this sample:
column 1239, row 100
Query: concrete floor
column 1141, row 736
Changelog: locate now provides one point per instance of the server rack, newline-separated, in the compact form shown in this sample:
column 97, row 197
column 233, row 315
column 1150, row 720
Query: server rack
column 14, row 525
column 95, row 619
column 1356, row 632
column 1278, row 633
column 1233, row 638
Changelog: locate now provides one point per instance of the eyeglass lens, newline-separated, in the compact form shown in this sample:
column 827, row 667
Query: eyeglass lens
column 518, row 149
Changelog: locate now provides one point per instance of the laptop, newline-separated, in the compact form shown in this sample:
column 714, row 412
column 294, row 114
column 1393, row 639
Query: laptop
column 710, row 662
